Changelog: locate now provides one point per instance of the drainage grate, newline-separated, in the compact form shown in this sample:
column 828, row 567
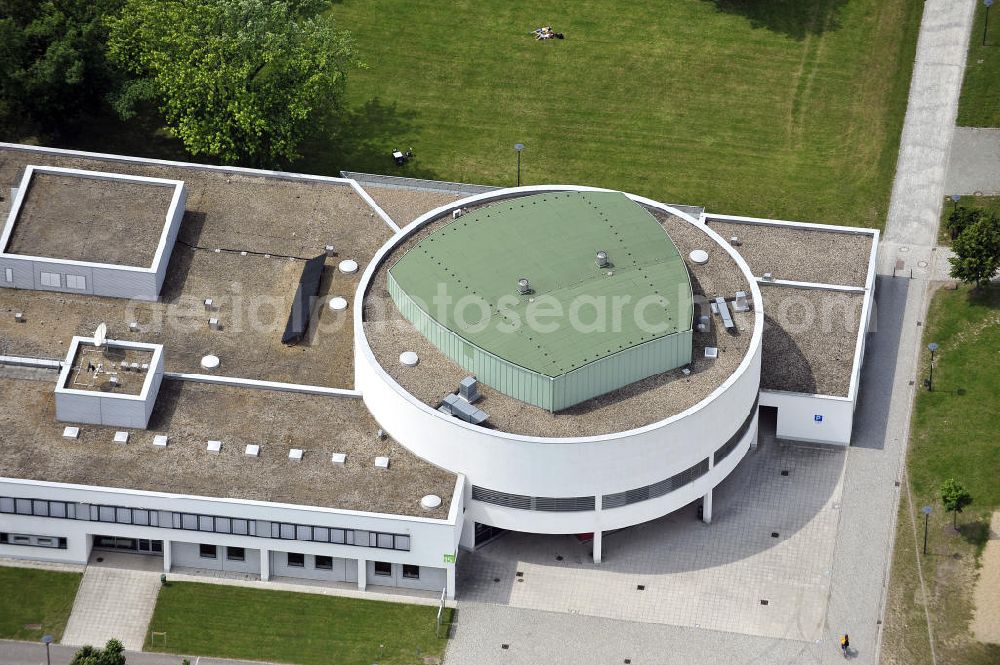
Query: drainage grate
column 559, row 557
column 496, row 579
column 640, row 587
column 504, row 646
column 763, row 601
column 774, row 534
column 628, row 661
column 784, row 472
column 519, row 574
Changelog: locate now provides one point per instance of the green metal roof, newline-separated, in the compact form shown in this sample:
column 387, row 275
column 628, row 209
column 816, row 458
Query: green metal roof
column 552, row 240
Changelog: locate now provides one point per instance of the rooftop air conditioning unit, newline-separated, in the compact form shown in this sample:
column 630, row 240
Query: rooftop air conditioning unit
column 602, row 259
column 468, row 389
column 523, row 286
column 456, row 213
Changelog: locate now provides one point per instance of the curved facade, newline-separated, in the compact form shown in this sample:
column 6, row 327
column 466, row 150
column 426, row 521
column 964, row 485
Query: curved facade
column 572, row 484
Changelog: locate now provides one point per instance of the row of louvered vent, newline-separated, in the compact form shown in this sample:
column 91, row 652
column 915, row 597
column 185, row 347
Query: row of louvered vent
column 540, row 503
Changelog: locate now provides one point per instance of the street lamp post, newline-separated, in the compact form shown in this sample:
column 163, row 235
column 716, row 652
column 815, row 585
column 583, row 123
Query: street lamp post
column 986, row 24
column 930, row 382
column 927, row 513
column 47, row 640
column 518, row 147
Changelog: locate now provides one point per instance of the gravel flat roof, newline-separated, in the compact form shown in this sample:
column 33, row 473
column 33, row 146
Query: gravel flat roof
column 810, row 336
column 801, row 254
column 405, row 205
column 635, row 405
column 101, row 220
column 32, row 447
column 252, row 293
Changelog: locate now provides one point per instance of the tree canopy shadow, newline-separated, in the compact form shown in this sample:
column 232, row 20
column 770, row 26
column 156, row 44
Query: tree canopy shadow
column 794, row 18
column 362, row 138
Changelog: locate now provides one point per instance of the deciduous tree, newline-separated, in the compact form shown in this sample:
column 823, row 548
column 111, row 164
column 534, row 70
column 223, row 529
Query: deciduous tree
column 52, row 60
column 954, row 497
column 977, row 251
column 239, row 80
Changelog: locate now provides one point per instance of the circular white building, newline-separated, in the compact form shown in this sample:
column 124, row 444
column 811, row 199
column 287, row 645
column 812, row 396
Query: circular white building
column 616, row 378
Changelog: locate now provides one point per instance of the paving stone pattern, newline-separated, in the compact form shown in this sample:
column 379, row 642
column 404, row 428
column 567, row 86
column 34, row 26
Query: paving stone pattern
column 692, row 574
column 113, row 603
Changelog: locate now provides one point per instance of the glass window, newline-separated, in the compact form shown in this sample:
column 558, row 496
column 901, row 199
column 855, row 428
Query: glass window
column 223, row 525
column 23, row 506
column 140, row 517
column 62, row 543
column 205, row 523
column 303, row 532
column 336, row 535
column 57, row 509
column 44, row 541
column 189, row 522
column 76, row 281
column 403, row 543
column 275, row 530
column 235, row 553
column 324, row 562
column 107, row 513
column 40, row 508
column 372, row 539
column 321, row 534
column 123, row 516
column 411, row 572
column 296, row 560
column 240, row 527
column 385, row 541
column 288, row 531
column 20, row 540
column 349, row 537
column 206, row 551
column 3, row 538
column 383, row 568
column 6, row 504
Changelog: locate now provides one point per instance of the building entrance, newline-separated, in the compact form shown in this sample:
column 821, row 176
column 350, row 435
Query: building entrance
column 136, row 545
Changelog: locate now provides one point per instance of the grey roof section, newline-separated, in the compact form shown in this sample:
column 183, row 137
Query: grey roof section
column 463, row 188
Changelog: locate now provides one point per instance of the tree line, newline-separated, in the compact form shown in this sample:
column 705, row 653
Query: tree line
column 237, row 81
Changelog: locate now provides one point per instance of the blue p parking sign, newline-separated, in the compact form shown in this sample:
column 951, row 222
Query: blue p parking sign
column 818, row 418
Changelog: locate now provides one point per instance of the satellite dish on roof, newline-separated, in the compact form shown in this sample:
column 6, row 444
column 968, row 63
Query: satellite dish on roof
column 100, row 335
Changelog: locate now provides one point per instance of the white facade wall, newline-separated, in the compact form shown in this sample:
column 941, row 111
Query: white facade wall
column 797, row 417
column 430, row 539
column 564, row 467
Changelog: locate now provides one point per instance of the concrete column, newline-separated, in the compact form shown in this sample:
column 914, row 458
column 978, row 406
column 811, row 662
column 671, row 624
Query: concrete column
column 597, row 546
column 450, row 587
column 362, row 574
column 706, row 508
column 167, row 556
column 468, row 538
column 265, row 565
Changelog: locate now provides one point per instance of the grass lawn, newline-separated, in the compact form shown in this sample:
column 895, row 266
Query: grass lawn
column 30, row 597
column 953, row 436
column 787, row 108
column 979, row 105
column 991, row 204
column 235, row 622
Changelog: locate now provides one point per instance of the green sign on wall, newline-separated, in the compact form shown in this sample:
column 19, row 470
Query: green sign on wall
column 449, row 558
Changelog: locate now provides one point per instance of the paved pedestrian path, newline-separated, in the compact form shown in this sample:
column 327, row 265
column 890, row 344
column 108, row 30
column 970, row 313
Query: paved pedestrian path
column 112, row 603
column 975, row 162
column 929, row 128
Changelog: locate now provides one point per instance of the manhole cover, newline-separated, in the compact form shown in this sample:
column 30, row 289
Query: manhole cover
column 922, row 264
column 100, row 559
